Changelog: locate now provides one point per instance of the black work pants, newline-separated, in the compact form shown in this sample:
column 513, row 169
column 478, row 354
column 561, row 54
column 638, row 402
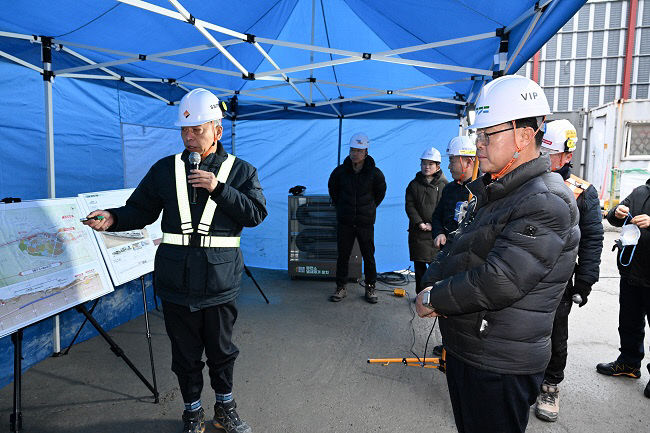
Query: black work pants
column 634, row 310
column 191, row 333
column 420, row 268
column 345, row 236
column 554, row 373
column 483, row 401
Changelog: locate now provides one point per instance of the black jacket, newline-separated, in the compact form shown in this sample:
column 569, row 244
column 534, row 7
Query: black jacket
column 443, row 219
column 357, row 195
column 638, row 272
column 500, row 278
column 194, row 276
column 421, row 199
column 587, row 270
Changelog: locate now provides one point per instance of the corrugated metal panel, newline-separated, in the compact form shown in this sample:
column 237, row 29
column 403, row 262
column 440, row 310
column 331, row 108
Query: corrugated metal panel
column 642, row 91
column 615, row 12
column 599, row 15
column 611, row 68
column 643, row 75
column 567, row 46
column 549, row 74
column 583, row 17
column 581, row 44
column 580, row 70
column 646, row 13
column 609, row 94
column 612, row 42
column 565, row 72
column 645, row 40
column 594, row 95
column 549, row 96
column 597, row 43
column 551, row 48
column 563, row 99
column 578, row 97
column 594, row 74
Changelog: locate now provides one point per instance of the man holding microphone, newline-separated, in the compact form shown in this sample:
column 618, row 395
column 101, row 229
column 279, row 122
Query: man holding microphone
column 199, row 264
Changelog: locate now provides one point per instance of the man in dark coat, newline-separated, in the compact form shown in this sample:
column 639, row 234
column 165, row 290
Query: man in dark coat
column 634, row 298
column 422, row 196
column 559, row 142
column 356, row 187
column 199, row 264
column 497, row 283
column 450, row 209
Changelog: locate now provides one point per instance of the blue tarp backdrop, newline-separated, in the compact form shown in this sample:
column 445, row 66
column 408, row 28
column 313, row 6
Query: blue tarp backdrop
column 107, row 133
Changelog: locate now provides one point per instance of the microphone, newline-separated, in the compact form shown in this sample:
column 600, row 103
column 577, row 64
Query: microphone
column 194, row 159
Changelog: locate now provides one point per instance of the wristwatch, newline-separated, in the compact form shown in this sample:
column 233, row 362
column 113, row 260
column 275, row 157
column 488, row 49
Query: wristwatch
column 426, row 299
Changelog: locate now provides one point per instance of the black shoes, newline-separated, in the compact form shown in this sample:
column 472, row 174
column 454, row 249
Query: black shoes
column 618, row 368
column 371, row 295
column 194, row 422
column 646, row 391
column 227, row 420
column 341, row 292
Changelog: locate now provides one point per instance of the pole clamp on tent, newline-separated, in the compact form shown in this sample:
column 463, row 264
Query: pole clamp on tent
column 142, row 57
column 366, row 56
column 250, row 76
column 312, row 79
column 250, row 38
column 191, row 20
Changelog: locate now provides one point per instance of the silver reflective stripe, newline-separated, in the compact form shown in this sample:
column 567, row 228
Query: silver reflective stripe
column 205, row 241
column 211, row 205
column 181, row 195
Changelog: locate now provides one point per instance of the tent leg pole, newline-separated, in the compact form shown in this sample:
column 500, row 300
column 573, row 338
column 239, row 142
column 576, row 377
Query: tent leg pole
column 339, row 157
column 49, row 137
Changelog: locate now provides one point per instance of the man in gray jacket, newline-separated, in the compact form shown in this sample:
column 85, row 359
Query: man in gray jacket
column 497, row 283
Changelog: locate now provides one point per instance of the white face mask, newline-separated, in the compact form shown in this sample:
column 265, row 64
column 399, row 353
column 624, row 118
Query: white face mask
column 629, row 237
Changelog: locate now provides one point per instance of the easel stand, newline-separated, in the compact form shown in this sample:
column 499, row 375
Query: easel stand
column 117, row 350
column 16, row 417
column 146, row 323
column 250, row 275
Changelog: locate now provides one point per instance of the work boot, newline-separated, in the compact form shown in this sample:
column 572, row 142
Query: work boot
column 437, row 351
column 618, row 368
column 646, row 391
column 194, row 421
column 371, row 296
column 547, row 406
column 227, row 420
column 341, row 292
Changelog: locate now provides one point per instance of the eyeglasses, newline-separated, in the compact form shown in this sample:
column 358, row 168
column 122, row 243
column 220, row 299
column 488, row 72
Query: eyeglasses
column 484, row 137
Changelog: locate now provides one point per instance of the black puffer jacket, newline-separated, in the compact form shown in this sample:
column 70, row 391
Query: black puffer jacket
column 443, row 219
column 357, row 195
column 501, row 277
column 421, row 199
column 587, row 270
column 638, row 272
column 194, row 276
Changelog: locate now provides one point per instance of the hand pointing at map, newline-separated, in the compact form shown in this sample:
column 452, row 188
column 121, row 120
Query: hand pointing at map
column 100, row 224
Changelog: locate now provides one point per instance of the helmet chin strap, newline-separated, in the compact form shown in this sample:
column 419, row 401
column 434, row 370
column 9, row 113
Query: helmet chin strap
column 207, row 151
column 517, row 150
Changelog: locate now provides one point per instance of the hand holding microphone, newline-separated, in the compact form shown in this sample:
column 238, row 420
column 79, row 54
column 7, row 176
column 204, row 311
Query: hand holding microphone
column 199, row 178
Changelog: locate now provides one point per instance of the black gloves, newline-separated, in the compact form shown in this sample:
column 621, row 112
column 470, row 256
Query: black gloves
column 583, row 289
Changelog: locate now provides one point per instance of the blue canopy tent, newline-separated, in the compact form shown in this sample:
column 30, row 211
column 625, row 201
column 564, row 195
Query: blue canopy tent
column 300, row 76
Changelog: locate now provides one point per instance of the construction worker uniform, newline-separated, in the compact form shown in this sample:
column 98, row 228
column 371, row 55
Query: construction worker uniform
column 585, row 273
column 198, row 266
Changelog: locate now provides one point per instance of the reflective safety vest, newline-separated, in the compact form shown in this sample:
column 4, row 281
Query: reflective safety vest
column 200, row 237
column 576, row 185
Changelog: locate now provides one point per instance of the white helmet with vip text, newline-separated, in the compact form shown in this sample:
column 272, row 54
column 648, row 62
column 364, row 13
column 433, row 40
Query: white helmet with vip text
column 359, row 141
column 197, row 107
column 461, row 146
column 560, row 136
column 431, row 154
column 508, row 98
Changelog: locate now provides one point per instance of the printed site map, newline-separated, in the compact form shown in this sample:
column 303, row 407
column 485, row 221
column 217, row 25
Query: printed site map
column 49, row 262
column 130, row 254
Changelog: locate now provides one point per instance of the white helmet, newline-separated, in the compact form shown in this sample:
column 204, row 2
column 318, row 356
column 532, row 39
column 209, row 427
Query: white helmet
column 198, row 107
column 560, row 136
column 461, row 146
column 508, row 98
column 431, row 154
column 359, row 141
